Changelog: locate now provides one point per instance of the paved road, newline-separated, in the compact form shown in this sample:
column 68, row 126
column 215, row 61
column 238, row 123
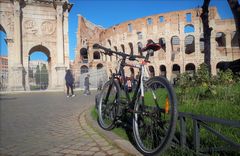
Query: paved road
column 49, row 124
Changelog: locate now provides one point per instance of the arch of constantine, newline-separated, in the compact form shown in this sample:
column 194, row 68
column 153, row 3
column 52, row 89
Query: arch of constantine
column 179, row 33
column 35, row 25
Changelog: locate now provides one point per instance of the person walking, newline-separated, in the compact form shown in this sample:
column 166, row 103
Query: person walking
column 86, row 85
column 69, row 82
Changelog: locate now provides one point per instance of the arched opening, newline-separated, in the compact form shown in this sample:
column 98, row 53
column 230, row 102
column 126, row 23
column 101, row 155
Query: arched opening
column 151, row 71
column 96, row 55
column 221, row 39
column 175, row 73
column 84, row 55
column 190, row 68
column 201, row 43
column 99, row 66
column 110, row 43
column 3, row 60
column 189, row 44
column 123, row 48
column 175, row 43
column 39, row 68
column 163, row 71
column 115, row 48
column 189, row 28
column 140, row 46
column 84, row 69
column 162, row 42
column 221, row 66
column 131, row 48
column 176, row 69
column 234, row 41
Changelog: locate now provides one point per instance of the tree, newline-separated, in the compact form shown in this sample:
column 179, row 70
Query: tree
column 207, row 34
column 44, row 76
column 38, row 75
column 235, row 7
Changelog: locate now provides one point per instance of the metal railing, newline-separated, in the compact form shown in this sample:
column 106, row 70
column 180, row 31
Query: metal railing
column 201, row 121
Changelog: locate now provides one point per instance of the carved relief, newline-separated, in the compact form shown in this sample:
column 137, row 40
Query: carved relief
column 48, row 27
column 30, row 26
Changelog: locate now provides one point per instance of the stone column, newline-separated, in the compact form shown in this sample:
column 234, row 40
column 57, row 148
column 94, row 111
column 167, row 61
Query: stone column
column 60, row 65
column 213, row 53
column 182, row 54
column 168, row 58
column 15, row 67
column 66, row 39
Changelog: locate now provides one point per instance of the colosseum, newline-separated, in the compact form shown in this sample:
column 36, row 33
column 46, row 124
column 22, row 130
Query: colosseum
column 179, row 34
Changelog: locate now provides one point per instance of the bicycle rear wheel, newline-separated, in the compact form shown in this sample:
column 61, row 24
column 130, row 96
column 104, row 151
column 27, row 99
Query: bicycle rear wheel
column 108, row 105
column 155, row 117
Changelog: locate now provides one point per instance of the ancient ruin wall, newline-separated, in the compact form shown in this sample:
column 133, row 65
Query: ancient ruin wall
column 179, row 34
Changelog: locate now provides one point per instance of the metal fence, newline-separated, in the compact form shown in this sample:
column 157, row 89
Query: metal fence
column 97, row 78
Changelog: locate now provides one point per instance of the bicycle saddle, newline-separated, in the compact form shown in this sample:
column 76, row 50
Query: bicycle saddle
column 151, row 46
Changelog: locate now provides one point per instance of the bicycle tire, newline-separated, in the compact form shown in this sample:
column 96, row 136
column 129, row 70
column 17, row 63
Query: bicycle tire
column 108, row 108
column 153, row 126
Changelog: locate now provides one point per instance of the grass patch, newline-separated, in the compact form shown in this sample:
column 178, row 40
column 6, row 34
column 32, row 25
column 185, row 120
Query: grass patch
column 119, row 131
column 224, row 103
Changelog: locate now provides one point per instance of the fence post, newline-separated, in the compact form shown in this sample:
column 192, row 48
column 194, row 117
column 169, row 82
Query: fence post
column 196, row 136
column 182, row 132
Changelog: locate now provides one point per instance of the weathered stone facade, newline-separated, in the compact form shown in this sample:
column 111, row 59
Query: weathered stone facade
column 179, row 33
column 35, row 25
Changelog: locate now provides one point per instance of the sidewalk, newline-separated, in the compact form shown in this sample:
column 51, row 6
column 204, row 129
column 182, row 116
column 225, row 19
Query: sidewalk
column 110, row 136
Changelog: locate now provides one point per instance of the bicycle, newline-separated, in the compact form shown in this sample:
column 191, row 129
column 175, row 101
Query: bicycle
column 152, row 104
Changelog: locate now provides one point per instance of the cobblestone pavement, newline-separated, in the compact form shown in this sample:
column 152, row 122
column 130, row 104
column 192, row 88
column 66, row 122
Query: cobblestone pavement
column 49, row 124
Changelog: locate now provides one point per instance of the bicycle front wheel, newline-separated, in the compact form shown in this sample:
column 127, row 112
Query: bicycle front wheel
column 155, row 117
column 108, row 105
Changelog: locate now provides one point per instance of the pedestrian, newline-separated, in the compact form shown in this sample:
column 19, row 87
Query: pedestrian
column 100, row 84
column 69, row 82
column 86, row 85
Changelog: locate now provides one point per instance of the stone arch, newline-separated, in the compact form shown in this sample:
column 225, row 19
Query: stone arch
column 234, row 39
column 41, row 48
column 130, row 47
column 123, row 48
column 2, row 29
column 110, row 43
column 221, row 66
column 99, row 65
column 84, row 55
column 4, row 59
column 96, row 55
column 189, row 28
column 162, row 42
column 201, row 43
column 39, row 71
column 175, row 44
column 151, row 71
column 190, row 68
column 140, row 46
column 189, row 44
column 220, row 39
column 163, row 70
column 176, row 69
column 116, row 49
column 83, row 69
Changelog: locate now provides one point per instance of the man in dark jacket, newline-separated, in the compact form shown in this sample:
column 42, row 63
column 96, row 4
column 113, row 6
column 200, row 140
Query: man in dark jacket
column 69, row 82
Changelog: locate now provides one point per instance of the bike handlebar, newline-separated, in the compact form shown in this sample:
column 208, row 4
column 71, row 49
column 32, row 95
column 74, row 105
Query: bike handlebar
column 110, row 52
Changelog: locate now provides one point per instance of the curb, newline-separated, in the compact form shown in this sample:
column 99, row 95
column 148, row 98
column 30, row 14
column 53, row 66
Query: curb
column 111, row 137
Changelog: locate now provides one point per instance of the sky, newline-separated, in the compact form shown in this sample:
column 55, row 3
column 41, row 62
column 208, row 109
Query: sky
column 108, row 13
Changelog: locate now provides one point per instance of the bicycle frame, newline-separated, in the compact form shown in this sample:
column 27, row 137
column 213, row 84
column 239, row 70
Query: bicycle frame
column 139, row 88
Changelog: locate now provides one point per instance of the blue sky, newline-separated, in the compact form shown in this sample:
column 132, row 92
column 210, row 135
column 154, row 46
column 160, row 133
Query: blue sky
column 111, row 12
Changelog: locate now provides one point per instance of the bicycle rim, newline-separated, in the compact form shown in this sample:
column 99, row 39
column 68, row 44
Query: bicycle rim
column 155, row 117
column 107, row 108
